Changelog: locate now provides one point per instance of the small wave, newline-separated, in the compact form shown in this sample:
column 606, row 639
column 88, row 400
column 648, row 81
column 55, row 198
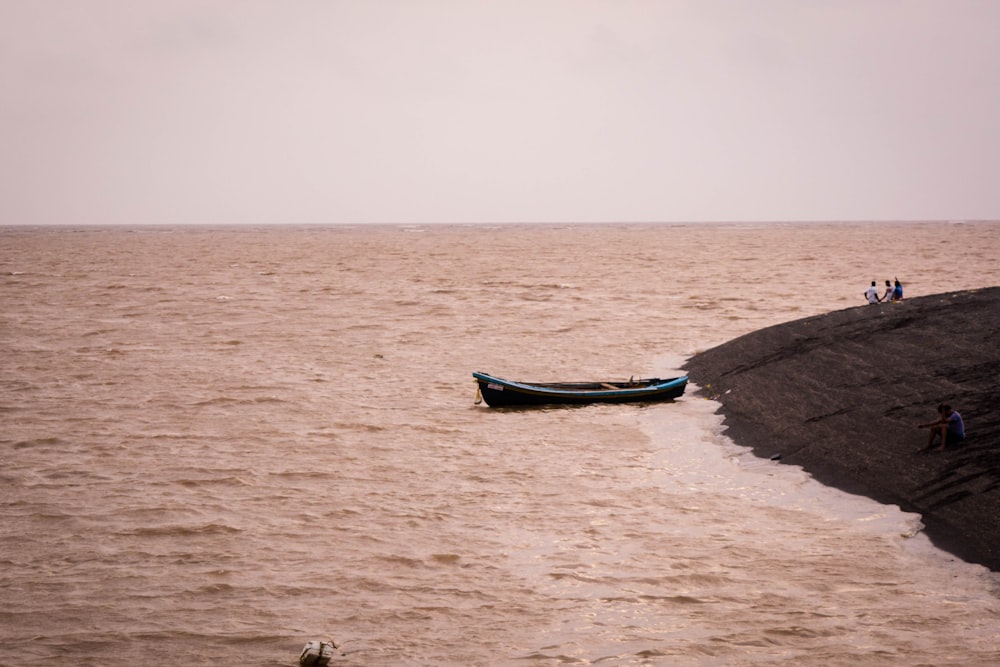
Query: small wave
column 360, row 426
column 300, row 474
column 225, row 400
column 175, row 530
column 212, row 481
column 214, row 589
column 446, row 559
column 96, row 332
column 404, row 561
column 39, row 442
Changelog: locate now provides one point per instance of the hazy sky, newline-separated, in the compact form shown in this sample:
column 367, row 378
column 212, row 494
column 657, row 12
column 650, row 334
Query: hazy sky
column 343, row 111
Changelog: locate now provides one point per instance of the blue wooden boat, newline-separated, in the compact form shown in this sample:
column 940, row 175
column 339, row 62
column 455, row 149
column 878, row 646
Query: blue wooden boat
column 498, row 392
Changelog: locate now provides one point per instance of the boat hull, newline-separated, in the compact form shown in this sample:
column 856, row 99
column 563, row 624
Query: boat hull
column 497, row 392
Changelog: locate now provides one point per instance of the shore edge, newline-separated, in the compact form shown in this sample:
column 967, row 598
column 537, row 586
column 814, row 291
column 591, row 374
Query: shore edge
column 840, row 395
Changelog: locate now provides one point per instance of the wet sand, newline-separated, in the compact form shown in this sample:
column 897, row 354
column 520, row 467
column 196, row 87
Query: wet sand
column 841, row 394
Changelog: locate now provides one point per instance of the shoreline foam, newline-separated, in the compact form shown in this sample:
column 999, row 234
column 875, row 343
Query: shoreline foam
column 840, row 394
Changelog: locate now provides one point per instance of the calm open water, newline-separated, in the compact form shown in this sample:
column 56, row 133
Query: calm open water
column 219, row 443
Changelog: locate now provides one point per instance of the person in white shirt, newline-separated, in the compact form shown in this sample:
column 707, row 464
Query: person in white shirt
column 872, row 294
column 888, row 292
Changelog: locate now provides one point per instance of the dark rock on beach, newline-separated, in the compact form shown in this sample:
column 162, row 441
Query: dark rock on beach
column 841, row 395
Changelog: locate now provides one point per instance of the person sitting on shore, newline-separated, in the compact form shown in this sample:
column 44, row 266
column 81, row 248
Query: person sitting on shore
column 897, row 291
column 889, row 291
column 949, row 426
column 872, row 294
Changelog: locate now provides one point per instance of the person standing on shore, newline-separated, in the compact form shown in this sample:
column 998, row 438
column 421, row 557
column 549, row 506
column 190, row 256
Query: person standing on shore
column 949, row 426
column 872, row 294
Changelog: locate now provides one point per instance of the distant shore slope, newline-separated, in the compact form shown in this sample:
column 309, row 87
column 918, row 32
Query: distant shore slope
column 841, row 394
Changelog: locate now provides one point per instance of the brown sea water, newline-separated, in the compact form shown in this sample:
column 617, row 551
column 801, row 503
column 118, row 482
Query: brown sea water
column 219, row 443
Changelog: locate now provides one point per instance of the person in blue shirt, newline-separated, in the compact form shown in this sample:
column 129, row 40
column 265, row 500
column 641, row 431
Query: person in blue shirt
column 897, row 292
column 949, row 426
column 889, row 292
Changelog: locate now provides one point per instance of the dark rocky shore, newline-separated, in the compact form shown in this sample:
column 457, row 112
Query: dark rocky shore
column 841, row 394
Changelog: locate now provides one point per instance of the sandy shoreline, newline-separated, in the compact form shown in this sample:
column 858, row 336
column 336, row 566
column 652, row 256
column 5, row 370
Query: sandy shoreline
column 840, row 394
